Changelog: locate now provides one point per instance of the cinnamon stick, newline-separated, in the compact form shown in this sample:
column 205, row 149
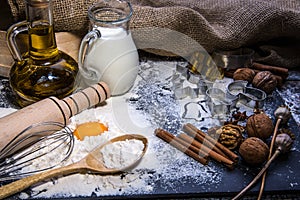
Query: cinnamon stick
column 229, row 73
column 178, row 144
column 280, row 71
column 202, row 139
column 214, row 155
column 193, row 148
column 224, row 149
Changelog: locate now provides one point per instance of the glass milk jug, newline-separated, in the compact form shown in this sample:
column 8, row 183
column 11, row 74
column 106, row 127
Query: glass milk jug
column 43, row 70
column 107, row 53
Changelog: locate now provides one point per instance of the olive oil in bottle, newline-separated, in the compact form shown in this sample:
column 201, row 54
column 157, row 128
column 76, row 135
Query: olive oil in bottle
column 44, row 70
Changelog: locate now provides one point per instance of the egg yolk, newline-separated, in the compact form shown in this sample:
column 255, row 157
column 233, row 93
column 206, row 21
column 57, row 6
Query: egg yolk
column 89, row 129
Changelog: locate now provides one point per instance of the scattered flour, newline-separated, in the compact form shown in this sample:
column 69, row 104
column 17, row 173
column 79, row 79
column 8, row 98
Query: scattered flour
column 6, row 111
column 163, row 168
column 161, row 163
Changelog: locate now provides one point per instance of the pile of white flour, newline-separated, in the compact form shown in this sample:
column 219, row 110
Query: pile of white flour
column 122, row 154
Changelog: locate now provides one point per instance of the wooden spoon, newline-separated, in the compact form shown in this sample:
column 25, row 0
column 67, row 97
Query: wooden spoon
column 92, row 163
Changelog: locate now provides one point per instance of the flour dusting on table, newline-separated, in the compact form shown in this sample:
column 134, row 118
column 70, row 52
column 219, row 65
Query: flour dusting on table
column 161, row 163
column 163, row 168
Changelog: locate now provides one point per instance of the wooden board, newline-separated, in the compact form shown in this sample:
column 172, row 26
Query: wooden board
column 66, row 42
column 5, row 57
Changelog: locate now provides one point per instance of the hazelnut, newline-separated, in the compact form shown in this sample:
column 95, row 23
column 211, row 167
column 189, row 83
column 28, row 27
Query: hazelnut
column 265, row 81
column 245, row 74
column 259, row 125
column 254, row 151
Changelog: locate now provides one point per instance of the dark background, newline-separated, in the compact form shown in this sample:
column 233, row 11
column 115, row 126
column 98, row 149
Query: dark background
column 5, row 15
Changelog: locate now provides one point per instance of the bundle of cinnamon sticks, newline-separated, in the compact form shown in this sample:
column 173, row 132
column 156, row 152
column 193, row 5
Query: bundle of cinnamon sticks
column 199, row 146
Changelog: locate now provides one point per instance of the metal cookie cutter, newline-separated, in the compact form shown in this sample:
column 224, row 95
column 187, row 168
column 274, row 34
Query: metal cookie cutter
column 234, row 59
column 195, row 111
column 177, row 86
column 182, row 90
column 219, row 102
column 248, row 96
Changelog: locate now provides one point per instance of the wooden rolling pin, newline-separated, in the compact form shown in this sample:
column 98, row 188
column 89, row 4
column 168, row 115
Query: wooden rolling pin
column 51, row 109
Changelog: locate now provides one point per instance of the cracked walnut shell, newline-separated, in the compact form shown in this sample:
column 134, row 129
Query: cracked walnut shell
column 254, row 151
column 229, row 135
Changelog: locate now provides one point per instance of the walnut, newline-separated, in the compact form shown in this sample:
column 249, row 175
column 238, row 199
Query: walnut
column 246, row 74
column 229, row 135
column 254, row 151
column 265, row 81
column 259, row 125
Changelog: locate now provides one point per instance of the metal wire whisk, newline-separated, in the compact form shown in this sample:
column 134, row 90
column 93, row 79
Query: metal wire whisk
column 37, row 148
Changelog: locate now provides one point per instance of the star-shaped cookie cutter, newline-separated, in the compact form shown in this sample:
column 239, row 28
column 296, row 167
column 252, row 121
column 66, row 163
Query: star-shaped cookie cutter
column 183, row 74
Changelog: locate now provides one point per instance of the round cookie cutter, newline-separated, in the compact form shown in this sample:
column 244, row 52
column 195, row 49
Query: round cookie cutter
column 230, row 60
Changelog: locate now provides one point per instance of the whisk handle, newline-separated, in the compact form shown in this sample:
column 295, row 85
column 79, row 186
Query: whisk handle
column 22, row 184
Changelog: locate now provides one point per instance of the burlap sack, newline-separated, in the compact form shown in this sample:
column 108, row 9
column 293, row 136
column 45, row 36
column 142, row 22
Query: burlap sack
column 271, row 27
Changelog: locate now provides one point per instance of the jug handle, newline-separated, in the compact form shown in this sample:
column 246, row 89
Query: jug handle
column 88, row 39
column 11, row 35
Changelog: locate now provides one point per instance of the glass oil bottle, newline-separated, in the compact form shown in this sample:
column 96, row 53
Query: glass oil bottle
column 43, row 70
